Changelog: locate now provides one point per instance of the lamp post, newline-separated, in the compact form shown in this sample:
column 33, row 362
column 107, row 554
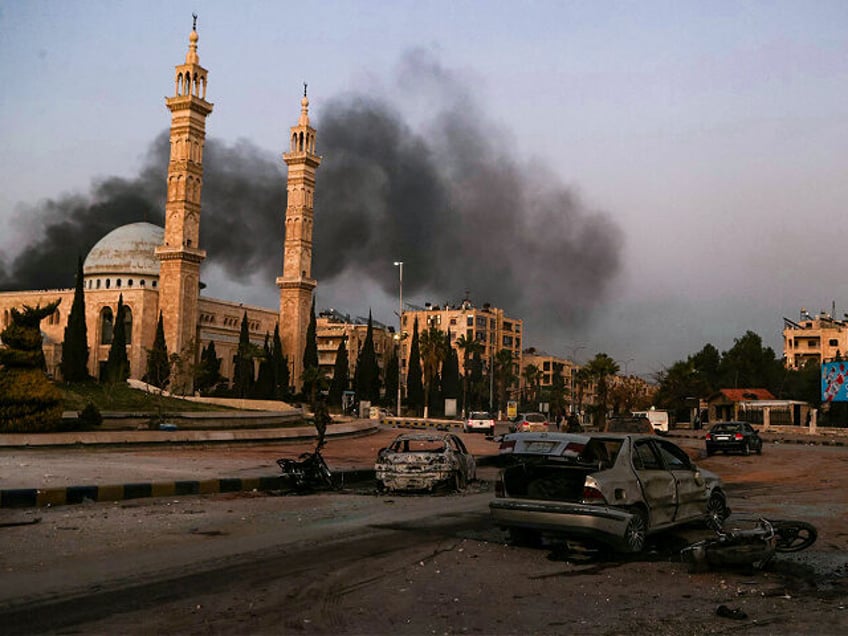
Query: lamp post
column 399, row 264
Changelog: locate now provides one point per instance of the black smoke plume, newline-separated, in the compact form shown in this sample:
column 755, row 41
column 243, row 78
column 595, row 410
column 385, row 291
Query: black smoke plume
column 449, row 200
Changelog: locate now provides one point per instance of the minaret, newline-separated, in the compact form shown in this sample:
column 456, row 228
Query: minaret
column 296, row 283
column 180, row 254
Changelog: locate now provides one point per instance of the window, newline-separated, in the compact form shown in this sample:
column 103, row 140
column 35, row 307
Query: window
column 153, row 284
column 130, row 282
column 833, row 342
column 106, row 325
column 118, row 283
column 674, row 458
column 453, row 321
column 644, row 457
column 546, row 365
column 469, row 321
column 507, row 341
column 141, row 283
column 108, row 282
column 128, row 321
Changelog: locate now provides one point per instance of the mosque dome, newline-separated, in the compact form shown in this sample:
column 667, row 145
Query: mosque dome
column 127, row 250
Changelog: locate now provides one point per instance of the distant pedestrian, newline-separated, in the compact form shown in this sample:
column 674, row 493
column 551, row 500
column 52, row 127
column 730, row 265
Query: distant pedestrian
column 573, row 424
column 559, row 421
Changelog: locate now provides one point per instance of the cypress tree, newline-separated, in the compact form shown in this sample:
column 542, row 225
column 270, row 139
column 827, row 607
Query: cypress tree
column 451, row 385
column 117, row 364
column 243, row 380
column 368, row 376
column 209, row 371
column 391, row 383
column 265, row 380
column 341, row 374
column 414, row 381
column 280, row 366
column 310, row 354
column 74, row 364
column 158, row 365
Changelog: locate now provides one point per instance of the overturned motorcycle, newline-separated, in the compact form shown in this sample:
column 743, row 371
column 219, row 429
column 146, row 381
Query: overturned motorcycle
column 752, row 547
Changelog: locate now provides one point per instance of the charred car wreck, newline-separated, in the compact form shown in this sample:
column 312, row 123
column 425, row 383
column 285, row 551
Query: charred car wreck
column 424, row 461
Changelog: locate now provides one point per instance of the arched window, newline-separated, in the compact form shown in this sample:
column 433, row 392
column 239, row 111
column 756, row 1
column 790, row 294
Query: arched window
column 141, row 283
column 108, row 282
column 128, row 324
column 98, row 283
column 118, row 283
column 153, row 284
column 130, row 282
column 106, row 325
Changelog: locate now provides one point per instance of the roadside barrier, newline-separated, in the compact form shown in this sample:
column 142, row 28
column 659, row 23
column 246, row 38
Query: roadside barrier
column 420, row 422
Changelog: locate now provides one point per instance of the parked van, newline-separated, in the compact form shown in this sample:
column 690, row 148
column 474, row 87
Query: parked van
column 660, row 420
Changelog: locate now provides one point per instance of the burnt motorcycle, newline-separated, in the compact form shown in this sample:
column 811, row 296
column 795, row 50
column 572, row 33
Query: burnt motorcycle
column 752, row 547
column 307, row 473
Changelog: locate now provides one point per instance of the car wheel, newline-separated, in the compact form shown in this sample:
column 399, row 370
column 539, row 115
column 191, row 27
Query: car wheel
column 710, row 451
column 525, row 537
column 760, row 449
column 636, row 532
column 746, row 450
column 716, row 511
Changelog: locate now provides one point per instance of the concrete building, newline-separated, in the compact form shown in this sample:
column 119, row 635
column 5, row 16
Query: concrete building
column 332, row 327
column 157, row 269
column 548, row 366
column 489, row 326
column 818, row 338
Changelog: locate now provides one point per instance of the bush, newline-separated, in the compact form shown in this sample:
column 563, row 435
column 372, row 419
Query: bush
column 90, row 417
column 29, row 402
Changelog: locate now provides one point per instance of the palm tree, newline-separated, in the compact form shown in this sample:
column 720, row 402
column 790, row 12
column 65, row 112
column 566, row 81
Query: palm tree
column 600, row 368
column 432, row 344
column 505, row 375
column 532, row 376
column 469, row 347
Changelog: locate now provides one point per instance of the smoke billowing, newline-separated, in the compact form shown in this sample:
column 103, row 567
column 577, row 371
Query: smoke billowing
column 447, row 198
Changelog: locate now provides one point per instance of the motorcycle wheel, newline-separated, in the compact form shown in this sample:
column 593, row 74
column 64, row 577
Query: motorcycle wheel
column 794, row 536
column 716, row 512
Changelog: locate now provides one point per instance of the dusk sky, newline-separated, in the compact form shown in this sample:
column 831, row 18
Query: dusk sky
column 706, row 141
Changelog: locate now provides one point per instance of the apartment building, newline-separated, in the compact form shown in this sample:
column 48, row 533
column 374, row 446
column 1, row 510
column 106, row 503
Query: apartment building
column 490, row 326
column 332, row 326
column 549, row 365
column 819, row 338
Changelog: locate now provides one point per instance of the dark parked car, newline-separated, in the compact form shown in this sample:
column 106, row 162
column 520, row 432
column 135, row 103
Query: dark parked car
column 734, row 436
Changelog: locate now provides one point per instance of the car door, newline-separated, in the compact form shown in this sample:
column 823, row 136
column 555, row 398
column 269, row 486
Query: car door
column 658, row 485
column 691, row 487
column 465, row 458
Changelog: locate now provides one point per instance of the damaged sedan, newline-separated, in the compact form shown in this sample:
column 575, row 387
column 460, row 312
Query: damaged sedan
column 609, row 488
column 424, row 461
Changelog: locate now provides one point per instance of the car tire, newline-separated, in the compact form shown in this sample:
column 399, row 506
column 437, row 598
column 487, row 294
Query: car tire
column 710, row 452
column 636, row 532
column 717, row 511
column 746, row 450
column 760, row 449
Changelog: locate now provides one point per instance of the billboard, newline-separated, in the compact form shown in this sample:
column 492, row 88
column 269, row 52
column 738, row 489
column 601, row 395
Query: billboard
column 834, row 382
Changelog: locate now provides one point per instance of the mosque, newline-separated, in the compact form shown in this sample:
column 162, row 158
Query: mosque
column 157, row 269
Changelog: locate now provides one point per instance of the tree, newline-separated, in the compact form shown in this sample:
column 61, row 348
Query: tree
column 469, row 347
column 532, row 376
column 117, row 364
column 243, row 373
column 74, row 364
column 392, row 368
column 264, row 389
column 280, row 366
column 451, row 388
column 505, row 376
column 414, row 382
column 29, row 402
column 600, row 368
column 477, row 384
column 432, row 354
column 747, row 364
column 341, row 374
column 367, row 377
column 158, row 364
column 310, row 357
column 209, row 370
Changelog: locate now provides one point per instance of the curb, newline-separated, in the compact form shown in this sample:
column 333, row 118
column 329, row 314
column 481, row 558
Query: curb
column 41, row 497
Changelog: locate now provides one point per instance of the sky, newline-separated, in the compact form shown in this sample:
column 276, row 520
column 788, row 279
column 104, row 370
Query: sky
column 671, row 173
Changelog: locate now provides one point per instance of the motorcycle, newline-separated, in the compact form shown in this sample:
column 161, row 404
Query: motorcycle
column 307, row 473
column 753, row 547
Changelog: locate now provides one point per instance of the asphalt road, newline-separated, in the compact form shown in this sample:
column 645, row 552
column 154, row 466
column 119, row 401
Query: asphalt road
column 355, row 562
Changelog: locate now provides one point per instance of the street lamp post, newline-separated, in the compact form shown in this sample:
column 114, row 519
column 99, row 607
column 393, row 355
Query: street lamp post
column 399, row 264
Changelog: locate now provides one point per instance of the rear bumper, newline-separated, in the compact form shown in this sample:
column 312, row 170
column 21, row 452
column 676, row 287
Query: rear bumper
column 713, row 447
column 417, row 480
column 601, row 523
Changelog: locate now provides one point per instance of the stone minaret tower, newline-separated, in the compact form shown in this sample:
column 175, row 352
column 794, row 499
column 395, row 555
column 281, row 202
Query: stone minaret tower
column 180, row 254
column 296, row 283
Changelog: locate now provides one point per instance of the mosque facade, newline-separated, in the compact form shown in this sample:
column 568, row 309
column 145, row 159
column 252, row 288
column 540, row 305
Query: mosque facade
column 157, row 269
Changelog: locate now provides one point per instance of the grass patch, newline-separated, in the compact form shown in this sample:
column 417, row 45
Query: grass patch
column 121, row 397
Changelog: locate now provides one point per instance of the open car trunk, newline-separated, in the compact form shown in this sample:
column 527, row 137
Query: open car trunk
column 546, row 481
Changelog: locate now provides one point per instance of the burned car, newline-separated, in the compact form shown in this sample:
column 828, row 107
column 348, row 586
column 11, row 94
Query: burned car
column 614, row 489
column 425, row 461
